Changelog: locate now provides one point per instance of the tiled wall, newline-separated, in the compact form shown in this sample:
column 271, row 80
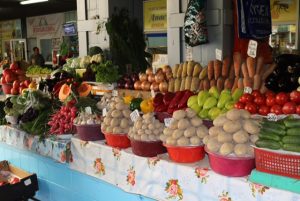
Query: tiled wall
column 59, row 183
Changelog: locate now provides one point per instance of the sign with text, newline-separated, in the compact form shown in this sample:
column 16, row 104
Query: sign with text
column 155, row 15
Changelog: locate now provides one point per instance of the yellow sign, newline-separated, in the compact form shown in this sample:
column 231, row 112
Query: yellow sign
column 155, row 15
column 284, row 10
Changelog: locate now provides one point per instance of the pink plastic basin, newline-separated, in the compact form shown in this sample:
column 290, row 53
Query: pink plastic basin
column 231, row 166
column 147, row 149
column 89, row 132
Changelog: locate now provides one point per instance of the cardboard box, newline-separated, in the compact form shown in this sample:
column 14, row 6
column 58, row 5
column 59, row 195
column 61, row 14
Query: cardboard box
column 24, row 184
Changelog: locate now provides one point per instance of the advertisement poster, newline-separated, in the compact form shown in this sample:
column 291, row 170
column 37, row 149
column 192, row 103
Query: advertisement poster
column 10, row 29
column 155, row 15
column 284, row 10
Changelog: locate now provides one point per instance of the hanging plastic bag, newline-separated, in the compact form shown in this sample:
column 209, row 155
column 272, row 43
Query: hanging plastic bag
column 195, row 28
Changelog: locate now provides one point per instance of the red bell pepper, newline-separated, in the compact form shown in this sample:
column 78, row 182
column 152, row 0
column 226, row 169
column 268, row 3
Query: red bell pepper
column 158, row 100
column 176, row 99
column 183, row 101
column 161, row 108
column 168, row 97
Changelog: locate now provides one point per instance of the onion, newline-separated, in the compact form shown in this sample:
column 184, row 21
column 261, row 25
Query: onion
column 137, row 85
column 151, row 78
column 159, row 71
column 145, row 86
column 163, row 87
column 159, row 77
column 143, row 77
column 166, row 68
column 154, row 86
column 169, row 75
column 149, row 71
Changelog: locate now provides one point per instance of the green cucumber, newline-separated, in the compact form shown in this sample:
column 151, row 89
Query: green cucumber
column 291, row 139
column 273, row 124
column 273, row 130
column 269, row 136
column 293, row 131
column 291, row 123
column 270, row 144
column 291, row 147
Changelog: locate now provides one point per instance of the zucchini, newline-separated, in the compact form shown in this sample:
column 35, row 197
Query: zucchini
column 291, row 139
column 293, row 131
column 269, row 136
column 291, row 147
column 272, row 124
column 291, row 123
column 270, row 144
column 273, row 130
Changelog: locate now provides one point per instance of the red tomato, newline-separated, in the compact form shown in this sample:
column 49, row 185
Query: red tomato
column 21, row 89
column 246, row 98
column 289, row 108
column 16, row 84
column 251, row 107
column 298, row 109
column 295, row 96
column 276, row 109
column 20, row 72
column 10, row 78
column 256, row 93
column 270, row 93
column 260, row 100
column 6, row 72
column 3, row 81
column 14, row 66
column 239, row 105
column 282, row 98
column 22, row 85
column 270, row 101
column 21, row 77
column 264, row 110
column 27, row 83
column 14, row 91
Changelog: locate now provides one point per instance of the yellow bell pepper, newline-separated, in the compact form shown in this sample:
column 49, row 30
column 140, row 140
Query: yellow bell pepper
column 147, row 106
column 127, row 99
column 32, row 85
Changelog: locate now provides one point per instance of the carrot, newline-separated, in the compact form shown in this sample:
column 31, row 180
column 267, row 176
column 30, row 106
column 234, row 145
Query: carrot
column 256, row 82
column 210, row 70
column 220, row 83
column 260, row 65
column 231, row 71
column 225, row 67
column 206, row 84
column 247, row 82
column 269, row 70
column 228, row 83
column 217, row 68
column 240, row 83
column 245, row 70
column 213, row 82
column 251, row 64
column 237, row 61
column 235, row 84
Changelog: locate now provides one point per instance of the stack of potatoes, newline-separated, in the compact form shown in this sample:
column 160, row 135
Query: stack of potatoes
column 117, row 119
column 233, row 133
column 104, row 102
column 186, row 129
column 146, row 128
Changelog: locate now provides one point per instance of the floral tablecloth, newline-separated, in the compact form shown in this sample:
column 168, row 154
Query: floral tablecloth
column 161, row 179
column 58, row 150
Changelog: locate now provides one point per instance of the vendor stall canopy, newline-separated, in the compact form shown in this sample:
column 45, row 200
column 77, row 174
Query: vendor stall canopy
column 12, row 9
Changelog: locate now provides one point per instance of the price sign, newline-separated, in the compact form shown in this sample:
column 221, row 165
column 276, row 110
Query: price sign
column 168, row 121
column 152, row 93
column 188, row 53
column 88, row 110
column 134, row 115
column 252, row 48
column 27, row 182
column 219, row 54
column 104, row 112
column 247, row 90
column 114, row 93
column 272, row 117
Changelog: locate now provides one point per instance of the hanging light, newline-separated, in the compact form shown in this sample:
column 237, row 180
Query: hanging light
column 32, row 1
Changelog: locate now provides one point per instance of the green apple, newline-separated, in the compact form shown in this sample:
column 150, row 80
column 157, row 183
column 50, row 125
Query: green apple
column 210, row 103
column 202, row 96
column 192, row 100
column 214, row 112
column 203, row 114
column 196, row 107
column 213, row 91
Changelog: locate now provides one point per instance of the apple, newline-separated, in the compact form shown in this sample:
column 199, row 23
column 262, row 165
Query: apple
column 289, row 108
column 295, row 96
column 14, row 91
column 3, row 81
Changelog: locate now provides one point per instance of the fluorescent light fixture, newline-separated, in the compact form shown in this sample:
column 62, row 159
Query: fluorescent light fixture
column 32, row 1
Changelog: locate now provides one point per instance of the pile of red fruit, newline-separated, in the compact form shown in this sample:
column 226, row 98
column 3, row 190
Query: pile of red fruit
column 263, row 104
column 62, row 121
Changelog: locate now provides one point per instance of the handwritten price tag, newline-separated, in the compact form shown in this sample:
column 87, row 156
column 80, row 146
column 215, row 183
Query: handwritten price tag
column 168, row 121
column 219, row 54
column 134, row 115
column 272, row 117
column 152, row 93
column 114, row 93
column 252, row 48
column 104, row 112
column 247, row 90
column 88, row 110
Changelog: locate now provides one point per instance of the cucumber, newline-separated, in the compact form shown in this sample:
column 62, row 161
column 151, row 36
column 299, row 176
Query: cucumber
column 291, row 139
column 293, row 131
column 291, row 147
column 291, row 123
column 269, row 136
column 270, row 144
column 273, row 130
column 273, row 124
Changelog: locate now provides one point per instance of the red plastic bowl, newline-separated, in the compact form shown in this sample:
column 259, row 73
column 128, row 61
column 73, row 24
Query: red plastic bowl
column 89, row 132
column 231, row 166
column 147, row 149
column 117, row 140
column 7, row 88
column 187, row 154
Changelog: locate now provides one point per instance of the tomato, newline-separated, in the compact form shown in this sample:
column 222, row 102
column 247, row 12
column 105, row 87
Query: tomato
column 14, row 66
column 295, row 96
column 270, row 93
column 21, row 77
column 14, row 91
column 276, row 109
column 16, row 84
column 298, row 109
column 10, row 78
column 246, row 98
column 6, row 72
column 239, row 105
column 3, row 81
column 264, row 110
column 251, row 107
column 260, row 100
column 270, row 101
column 27, row 83
column 282, row 98
column 20, row 72
column 289, row 108
column 256, row 93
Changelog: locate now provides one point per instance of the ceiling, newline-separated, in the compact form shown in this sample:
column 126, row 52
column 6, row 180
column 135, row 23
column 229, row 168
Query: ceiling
column 12, row 9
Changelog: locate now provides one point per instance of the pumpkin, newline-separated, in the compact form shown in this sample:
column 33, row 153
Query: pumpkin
column 64, row 92
column 84, row 89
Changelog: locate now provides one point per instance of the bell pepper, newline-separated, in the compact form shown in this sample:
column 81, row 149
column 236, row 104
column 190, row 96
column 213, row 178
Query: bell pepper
column 158, row 99
column 127, row 99
column 168, row 97
column 161, row 108
column 176, row 99
column 183, row 101
column 147, row 106
column 135, row 104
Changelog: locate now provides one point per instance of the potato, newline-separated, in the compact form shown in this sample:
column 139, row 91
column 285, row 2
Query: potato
column 151, row 127
column 107, row 120
column 183, row 141
column 147, row 116
column 152, row 138
column 149, row 121
column 202, row 131
column 117, row 130
column 183, row 124
column 250, row 150
column 167, row 131
column 253, row 138
column 220, row 120
column 148, row 132
column 240, row 149
column 215, row 130
column 124, row 123
column 195, row 140
column 157, row 132
column 190, row 113
column 121, row 106
column 116, row 114
column 196, row 121
column 251, row 126
column 224, row 137
column 213, row 145
column 177, row 133
column 206, row 139
column 109, row 129
column 137, row 137
column 179, row 114
column 112, row 105
column 115, row 122
column 232, row 126
column 226, row 148
column 171, row 141
column 241, row 136
column 233, row 114
column 189, row 132
column 245, row 114
column 144, row 126
column 157, row 125
column 141, row 132
column 174, row 124
column 163, row 138
column 126, row 113
column 144, row 137
column 138, row 124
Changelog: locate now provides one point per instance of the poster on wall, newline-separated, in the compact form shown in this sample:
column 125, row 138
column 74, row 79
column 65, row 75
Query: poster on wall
column 155, row 16
column 47, row 26
column 10, row 29
column 284, row 10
